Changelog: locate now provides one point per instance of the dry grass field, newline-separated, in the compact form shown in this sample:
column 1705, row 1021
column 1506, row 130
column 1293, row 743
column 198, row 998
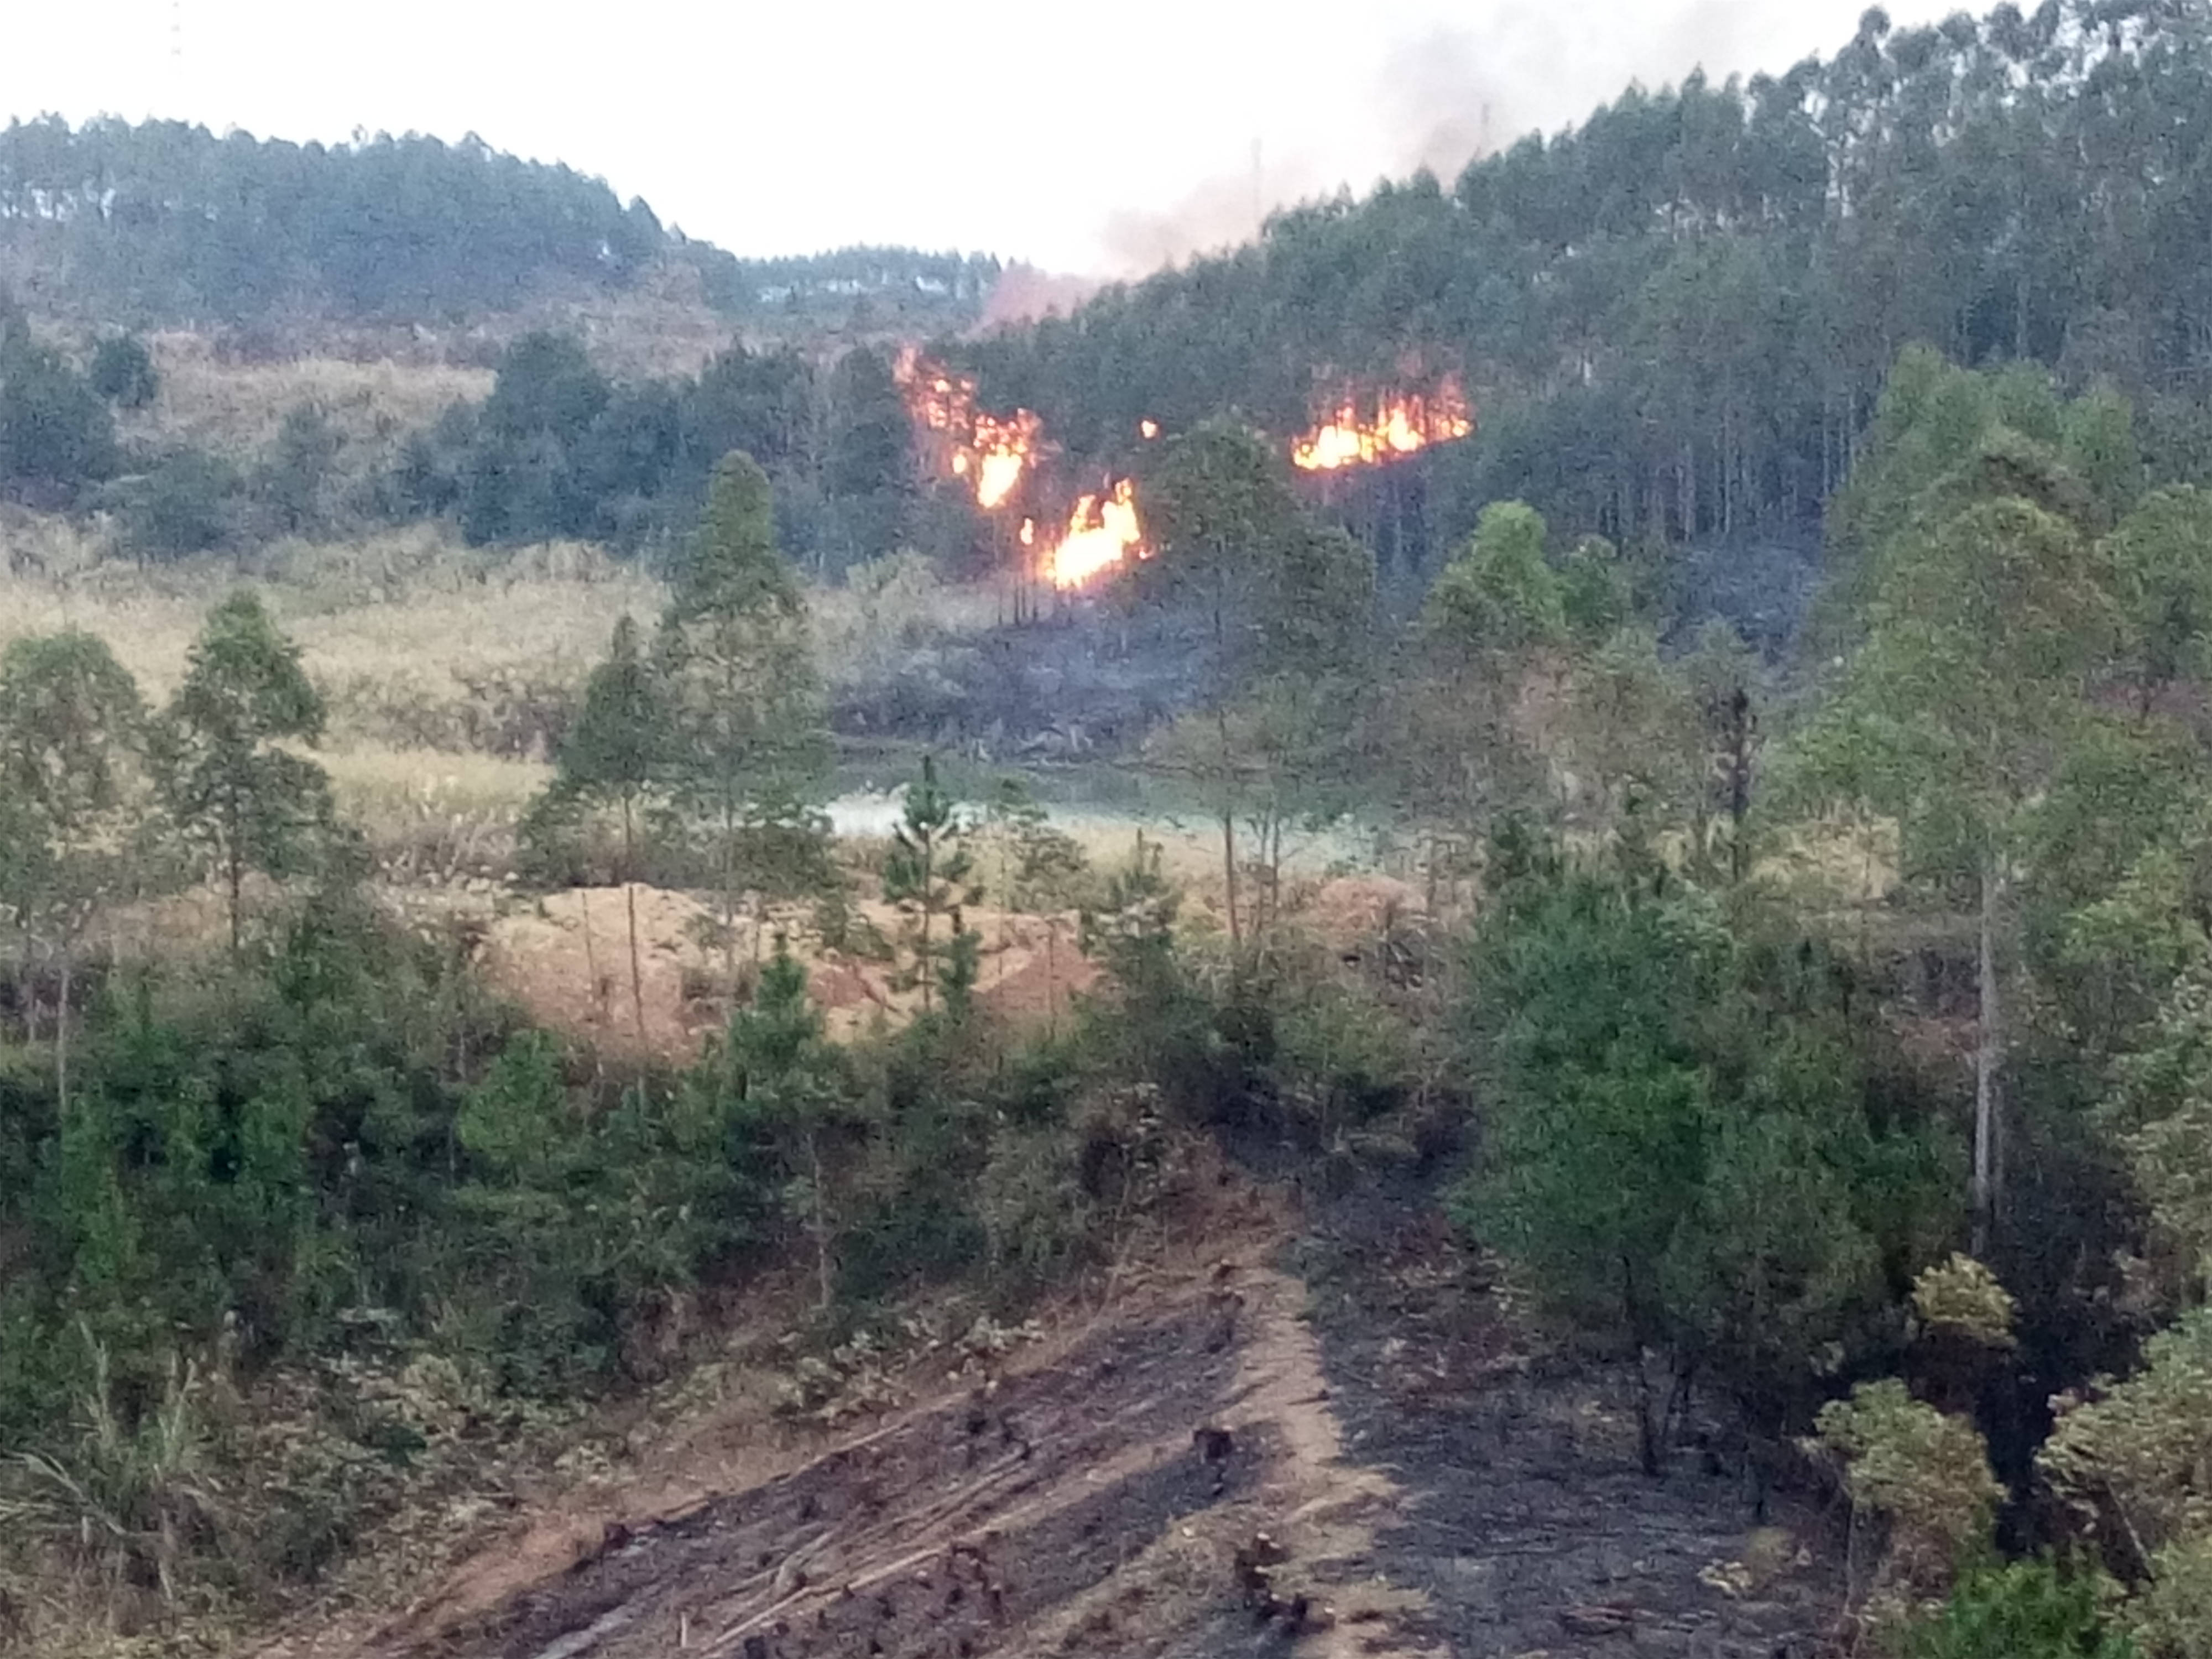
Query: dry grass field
column 234, row 408
column 404, row 615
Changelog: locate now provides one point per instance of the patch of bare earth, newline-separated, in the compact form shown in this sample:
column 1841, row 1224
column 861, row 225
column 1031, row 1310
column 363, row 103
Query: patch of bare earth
column 567, row 961
column 1160, row 1477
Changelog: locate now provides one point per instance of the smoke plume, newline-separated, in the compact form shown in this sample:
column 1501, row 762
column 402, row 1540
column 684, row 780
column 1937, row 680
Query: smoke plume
column 1441, row 95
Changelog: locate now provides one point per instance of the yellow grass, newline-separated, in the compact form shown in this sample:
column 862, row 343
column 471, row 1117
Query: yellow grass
column 381, row 787
column 235, row 409
column 1837, row 864
column 660, row 328
column 394, row 616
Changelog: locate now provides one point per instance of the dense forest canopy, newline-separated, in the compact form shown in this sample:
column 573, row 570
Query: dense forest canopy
column 168, row 221
column 1675, row 318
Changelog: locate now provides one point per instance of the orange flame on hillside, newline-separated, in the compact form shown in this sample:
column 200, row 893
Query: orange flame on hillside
column 1402, row 423
column 1103, row 532
column 992, row 449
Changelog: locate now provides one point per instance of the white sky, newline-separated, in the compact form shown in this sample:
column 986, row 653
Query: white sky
column 1095, row 138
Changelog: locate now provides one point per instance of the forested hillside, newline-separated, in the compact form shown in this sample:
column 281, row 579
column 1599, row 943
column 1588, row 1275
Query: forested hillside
column 1446, row 1101
column 169, row 222
column 1674, row 319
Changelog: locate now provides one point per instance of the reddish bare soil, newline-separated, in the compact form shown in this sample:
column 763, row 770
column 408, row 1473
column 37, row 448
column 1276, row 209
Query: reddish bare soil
column 566, row 959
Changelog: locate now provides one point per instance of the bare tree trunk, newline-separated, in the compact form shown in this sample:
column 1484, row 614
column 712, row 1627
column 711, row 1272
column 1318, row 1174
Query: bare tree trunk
column 820, row 1220
column 591, row 955
column 924, row 967
column 62, row 1040
column 730, row 899
column 629, row 899
column 1228, row 831
column 1989, row 1059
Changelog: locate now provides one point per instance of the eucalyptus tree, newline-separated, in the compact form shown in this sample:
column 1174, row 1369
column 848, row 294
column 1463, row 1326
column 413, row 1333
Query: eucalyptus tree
column 72, row 728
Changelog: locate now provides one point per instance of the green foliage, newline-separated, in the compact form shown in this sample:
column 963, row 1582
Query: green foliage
column 184, row 223
column 1985, row 629
column 616, row 752
column 787, row 1106
column 185, row 504
column 2127, row 1455
column 1682, row 1153
column 1596, row 595
column 2163, row 552
column 1220, row 509
column 1499, row 594
column 1990, row 609
column 229, row 786
column 70, row 718
column 130, row 1501
column 1039, row 868
column 867, row 472
column 1924, row 1476
column 297, row 476
column 1962, row 1296
column 559, row 450
column 1603, row 1109
column 735, row 665
column 2025, row 1610
column 122, row 370
column 72, row 731
column 56, row 436
column 928, row 873
column 617, row 756
column 585, row 1219
column 2162, row 1113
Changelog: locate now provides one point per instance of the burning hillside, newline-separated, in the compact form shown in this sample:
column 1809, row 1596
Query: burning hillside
column 1401, row 423
column 997, row 456
column 991, row 452
column 1103, row 532
column 1000, row 457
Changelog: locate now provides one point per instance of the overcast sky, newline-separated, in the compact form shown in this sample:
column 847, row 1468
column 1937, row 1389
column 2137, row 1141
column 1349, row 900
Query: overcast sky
column 1093, row 138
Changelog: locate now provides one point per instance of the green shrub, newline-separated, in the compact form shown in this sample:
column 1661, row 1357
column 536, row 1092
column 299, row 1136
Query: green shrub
column 122, row 370
column 185, row 505
column 2027, row 1610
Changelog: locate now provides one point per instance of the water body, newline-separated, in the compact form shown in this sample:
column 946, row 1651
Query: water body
column 1103, row 807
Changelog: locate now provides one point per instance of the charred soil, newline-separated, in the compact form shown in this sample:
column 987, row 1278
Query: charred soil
column 1340, row 1443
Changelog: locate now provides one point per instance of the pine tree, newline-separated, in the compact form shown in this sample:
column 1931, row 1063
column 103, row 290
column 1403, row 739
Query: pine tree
column 927, row 876
column 783, row 1081
column 229, row 785
column 615, row 755
column 746, row 743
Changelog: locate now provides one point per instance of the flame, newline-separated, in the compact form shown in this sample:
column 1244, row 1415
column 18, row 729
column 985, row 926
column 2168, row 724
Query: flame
column 1028, row 532
column 1103, row 532
column 1148, row 430
column 1403, row 423
column 994, row 451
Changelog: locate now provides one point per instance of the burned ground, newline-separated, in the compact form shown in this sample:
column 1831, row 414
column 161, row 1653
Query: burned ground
column 1339, row 1443
column 1528, row 1524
